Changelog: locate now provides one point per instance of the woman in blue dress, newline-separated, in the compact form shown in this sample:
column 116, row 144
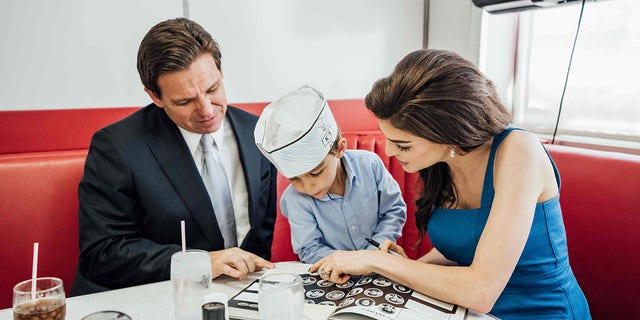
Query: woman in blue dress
column 489, row 197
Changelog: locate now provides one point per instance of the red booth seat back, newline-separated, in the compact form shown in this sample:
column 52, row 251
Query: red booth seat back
column 39, row 203
column 600, row 199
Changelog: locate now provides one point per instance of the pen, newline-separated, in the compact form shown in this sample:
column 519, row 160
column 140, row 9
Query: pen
column 375, row 243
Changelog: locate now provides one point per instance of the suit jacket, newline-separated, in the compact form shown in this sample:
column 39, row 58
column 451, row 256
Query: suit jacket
column 139, row 181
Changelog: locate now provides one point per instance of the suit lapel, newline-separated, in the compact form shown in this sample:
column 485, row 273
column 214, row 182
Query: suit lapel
column 174, row 157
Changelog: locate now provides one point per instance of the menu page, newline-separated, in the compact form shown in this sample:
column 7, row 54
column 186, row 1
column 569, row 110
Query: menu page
column 366, row 297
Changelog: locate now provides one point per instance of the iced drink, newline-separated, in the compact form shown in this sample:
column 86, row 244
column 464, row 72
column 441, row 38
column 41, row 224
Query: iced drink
column 47, row 302
column 191, row 280
column 42, row 309
column 281, row 297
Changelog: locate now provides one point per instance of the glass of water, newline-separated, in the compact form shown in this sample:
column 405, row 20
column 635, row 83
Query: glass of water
column 191, row 280
column 281, row 297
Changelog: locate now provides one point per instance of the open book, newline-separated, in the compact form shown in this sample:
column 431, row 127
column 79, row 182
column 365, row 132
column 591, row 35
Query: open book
column 366, row 297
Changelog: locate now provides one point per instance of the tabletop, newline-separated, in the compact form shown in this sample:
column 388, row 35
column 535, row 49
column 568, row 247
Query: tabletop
column 155, row 300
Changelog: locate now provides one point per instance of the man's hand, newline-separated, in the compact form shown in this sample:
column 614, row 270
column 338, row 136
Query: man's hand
column 236, row 263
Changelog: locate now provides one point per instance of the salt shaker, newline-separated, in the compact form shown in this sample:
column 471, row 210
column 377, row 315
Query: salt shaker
column 213, row 311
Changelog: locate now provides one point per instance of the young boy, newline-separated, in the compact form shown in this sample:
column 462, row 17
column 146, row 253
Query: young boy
column 337, row 197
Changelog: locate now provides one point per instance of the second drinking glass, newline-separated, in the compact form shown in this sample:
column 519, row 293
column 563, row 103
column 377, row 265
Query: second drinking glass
column 281, row 297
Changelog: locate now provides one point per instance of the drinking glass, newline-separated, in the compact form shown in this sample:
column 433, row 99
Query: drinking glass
column 191, row 280
column 107, row 315
column 49, row 302
column 280, row 297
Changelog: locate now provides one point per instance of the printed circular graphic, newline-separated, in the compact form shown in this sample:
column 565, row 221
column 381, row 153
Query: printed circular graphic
column 315, row 293
column 324, row 283
column 373, row 292
column 347, row 301
column 335, row 295
column 382, row 282
column 308, row 280
column 354, row 291
column 394, row 298
column 364, row 280
column 347, row 284
column 387, row 308
column 365, row 302
column 401, row 288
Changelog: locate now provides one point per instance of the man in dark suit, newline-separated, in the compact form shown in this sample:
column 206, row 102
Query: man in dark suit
column 143, row 174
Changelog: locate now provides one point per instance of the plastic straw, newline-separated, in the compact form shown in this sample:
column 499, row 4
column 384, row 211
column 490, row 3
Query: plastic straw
column 184, row 238
column 34, row 271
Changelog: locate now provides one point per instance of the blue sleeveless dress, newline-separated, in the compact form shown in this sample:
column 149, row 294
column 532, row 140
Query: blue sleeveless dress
column 542, row 285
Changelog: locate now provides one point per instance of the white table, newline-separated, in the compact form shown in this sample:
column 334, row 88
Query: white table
column 154, row 301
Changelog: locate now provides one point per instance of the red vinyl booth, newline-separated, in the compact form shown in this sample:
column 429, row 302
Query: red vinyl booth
column 42, row 155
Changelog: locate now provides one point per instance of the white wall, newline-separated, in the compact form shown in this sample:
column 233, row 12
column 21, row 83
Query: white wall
column 78, row 54
column 73, row 54
column 498, row 52
column 460, row 26
column 455, row 25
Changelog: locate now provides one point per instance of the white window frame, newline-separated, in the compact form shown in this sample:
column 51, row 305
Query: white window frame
column 504, row 48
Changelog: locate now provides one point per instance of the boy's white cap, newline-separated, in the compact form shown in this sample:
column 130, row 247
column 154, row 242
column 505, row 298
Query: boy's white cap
column 296, row 131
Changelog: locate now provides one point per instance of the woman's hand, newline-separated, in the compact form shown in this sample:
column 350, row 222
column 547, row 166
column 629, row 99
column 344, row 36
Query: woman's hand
column 389, row 245
column 341, row 265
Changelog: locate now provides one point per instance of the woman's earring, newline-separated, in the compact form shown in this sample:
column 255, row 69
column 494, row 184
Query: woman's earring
column 452, row 153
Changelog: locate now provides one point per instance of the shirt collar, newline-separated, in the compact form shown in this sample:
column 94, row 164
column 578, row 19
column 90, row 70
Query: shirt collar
column 218, row 135
column 193, row 139
column 350, row 180
column 347, row 163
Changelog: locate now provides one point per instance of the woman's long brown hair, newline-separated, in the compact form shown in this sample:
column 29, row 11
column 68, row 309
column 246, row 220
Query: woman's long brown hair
column 443, row 98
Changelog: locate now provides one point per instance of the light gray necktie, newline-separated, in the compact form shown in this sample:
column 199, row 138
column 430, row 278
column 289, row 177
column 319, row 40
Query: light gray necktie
column 216, row 181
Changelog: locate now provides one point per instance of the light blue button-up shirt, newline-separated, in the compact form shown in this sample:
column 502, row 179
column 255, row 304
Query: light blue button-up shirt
column 372, row 206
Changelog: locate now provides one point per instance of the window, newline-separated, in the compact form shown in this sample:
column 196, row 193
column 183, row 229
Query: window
column 601, row 104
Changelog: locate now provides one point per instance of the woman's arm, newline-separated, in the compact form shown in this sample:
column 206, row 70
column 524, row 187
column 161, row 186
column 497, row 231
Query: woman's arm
column 435, row 257
column 523, row 175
